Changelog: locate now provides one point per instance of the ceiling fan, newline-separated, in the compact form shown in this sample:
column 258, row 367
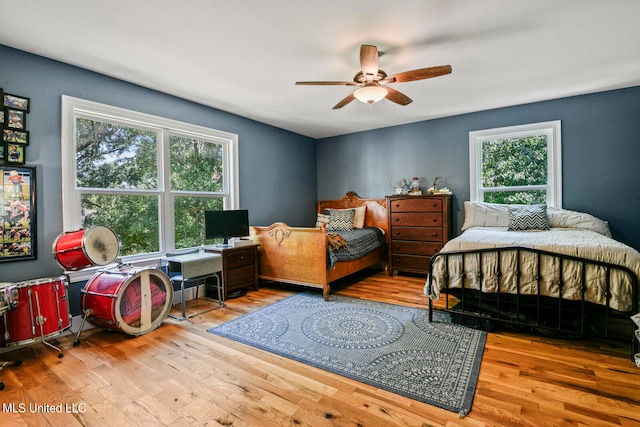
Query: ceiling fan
column 373, row 82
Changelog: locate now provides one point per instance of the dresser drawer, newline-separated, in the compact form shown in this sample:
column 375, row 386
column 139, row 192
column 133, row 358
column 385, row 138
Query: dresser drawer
column 417, row 219
column 426, row 234
column 415, row 248
column 416, row 205
column 411, row 262
column 240, row 258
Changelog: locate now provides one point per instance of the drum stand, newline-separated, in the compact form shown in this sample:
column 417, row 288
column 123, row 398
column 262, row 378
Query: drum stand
column 86, row 313
column 40, row 320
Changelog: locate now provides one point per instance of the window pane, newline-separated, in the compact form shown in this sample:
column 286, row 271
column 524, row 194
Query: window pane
column 196, row 165
column 134, row 219
column 518, row 197
column 514, row 161
column 114, row 156
column 189, row 219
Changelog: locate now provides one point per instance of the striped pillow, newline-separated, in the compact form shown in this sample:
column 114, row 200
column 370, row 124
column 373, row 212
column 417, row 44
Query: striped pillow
column 528, row 217
column 341, row 220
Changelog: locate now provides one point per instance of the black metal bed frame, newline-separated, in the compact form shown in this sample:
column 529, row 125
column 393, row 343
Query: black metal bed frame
column 536, row 304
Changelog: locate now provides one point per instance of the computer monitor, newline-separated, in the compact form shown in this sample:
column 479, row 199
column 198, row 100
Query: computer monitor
column 226, row 224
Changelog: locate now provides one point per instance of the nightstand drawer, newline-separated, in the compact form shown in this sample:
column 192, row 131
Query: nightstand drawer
column 415, row 248
column 426, row 234
column 237, row 276
column 417, row 219
column 416, row 205
column 240, row 258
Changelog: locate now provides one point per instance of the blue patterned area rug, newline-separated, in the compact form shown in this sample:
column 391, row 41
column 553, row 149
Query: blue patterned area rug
column 391, row 347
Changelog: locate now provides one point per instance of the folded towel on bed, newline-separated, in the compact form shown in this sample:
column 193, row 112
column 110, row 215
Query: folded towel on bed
column 336, row 241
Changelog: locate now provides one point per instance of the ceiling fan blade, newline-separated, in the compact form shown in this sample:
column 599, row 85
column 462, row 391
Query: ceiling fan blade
column 328, row 83
column 419, row 74
column 345, row 101
column 397, row 97
column 369, row 61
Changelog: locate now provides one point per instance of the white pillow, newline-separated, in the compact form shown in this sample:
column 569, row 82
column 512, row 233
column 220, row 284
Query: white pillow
column 480, row 214
column 322, row 219
column 561, row 218
column 358, row 218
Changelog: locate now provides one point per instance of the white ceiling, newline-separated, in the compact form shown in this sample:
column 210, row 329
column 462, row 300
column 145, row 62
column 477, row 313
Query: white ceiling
column 244, row 56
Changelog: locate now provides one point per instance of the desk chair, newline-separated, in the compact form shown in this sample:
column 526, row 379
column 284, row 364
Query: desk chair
column 190, row 268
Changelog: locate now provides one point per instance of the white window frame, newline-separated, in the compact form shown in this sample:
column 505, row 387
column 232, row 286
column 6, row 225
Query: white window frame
column 74, row 108
column 551, row 129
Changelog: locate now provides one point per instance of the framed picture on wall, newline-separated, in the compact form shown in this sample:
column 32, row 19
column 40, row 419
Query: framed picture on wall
column 18, row 214
column 14, row 136
column 15, row 119
column 16, row 102
column 15, row 154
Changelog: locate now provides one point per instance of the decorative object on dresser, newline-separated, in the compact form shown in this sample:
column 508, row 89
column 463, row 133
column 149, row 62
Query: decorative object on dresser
column 239, row 267
column 419, row 226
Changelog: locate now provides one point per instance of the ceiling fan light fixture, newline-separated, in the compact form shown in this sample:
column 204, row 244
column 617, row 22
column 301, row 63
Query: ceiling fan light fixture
column 370, row 93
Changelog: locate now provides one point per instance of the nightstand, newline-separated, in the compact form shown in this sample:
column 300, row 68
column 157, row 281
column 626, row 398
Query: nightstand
column 239, row 267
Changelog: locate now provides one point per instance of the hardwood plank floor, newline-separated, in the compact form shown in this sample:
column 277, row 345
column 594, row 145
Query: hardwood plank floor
column 181, row 375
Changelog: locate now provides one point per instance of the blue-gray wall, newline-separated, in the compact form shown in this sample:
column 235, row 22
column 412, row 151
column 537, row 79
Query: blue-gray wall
column 600, row 151
column 283, row 174
column 270, row 190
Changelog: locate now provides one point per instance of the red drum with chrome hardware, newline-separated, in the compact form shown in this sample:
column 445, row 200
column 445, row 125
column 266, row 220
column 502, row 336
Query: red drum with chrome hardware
column 97, row 245
column 42, row 311
column 134, row 301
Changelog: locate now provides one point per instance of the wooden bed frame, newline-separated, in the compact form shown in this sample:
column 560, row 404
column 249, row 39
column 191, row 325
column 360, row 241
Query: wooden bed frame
column 536, row 312
column 298, row 255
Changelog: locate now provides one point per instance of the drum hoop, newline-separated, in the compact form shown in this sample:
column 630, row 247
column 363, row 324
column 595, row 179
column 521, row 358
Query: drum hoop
column 41, row 281
column 38, row 338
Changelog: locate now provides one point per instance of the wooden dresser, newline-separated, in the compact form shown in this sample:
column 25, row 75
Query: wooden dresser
column 239, row 267
column 419, row 227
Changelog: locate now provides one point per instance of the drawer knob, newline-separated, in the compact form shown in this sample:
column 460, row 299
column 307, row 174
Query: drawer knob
column 397, row 219
column 435, row 234
column 435, row 219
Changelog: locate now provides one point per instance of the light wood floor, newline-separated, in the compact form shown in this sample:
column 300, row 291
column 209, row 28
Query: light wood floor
column 180, row 375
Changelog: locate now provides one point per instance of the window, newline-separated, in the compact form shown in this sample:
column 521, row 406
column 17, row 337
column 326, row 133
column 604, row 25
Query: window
column 518, row 164
column 147, row 178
